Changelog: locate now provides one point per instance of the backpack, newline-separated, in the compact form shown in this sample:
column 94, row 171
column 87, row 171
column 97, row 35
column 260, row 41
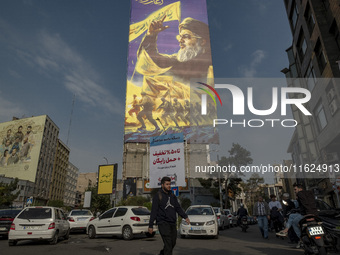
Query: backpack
column 160, row 195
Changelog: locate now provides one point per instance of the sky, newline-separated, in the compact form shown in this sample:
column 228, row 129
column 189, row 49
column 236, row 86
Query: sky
column 54, row 51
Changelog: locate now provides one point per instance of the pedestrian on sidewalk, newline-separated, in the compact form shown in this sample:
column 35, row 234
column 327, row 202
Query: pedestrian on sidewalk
column 262, row 214
column 164, row 208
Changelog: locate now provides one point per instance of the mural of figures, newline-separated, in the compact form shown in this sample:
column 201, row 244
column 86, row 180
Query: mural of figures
column 19, row 150
column 169, row 46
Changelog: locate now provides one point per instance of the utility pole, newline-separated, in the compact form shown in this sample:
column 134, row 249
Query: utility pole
column 219, row 184
column 69, row 126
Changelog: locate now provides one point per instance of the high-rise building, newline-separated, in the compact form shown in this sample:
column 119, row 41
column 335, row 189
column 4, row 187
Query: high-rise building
column 58, row 181
column 31, row 151
column 71, row 185
column 313, row 60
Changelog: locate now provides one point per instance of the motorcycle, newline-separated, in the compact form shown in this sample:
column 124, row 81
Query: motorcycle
column 313, row 235
column 332, row 229
column 244, row 223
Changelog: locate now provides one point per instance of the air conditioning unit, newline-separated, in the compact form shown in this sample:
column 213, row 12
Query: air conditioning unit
column 332, row 157
column 333, row 107
column 330, row 94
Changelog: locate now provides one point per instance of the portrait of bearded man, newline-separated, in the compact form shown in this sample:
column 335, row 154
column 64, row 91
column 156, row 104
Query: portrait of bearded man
column 193, row 59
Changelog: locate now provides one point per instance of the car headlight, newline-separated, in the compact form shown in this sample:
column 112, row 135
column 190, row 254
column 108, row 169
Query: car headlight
column 184, row 222
column 211, row 222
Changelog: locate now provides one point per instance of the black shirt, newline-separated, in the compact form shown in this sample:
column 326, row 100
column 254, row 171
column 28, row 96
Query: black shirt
column 164, row 208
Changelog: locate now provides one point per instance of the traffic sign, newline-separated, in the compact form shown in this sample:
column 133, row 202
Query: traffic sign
column 29, row 201
column 175, row 190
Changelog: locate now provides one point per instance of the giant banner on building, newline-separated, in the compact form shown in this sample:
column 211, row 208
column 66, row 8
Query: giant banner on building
column 167, row 159
column 20, row 147
column 169, row 46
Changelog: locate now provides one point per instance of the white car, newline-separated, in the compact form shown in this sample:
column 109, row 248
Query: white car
column 39, row 223
column 121, row 220
column 79, row 219
column 203, row 221
column 222, row 219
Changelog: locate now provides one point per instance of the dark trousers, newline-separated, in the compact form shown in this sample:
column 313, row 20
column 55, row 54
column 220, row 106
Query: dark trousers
column 169, row 235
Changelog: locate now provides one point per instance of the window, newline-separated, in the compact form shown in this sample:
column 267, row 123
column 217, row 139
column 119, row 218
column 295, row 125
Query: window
column 334, row 30
column 311, row 79
column 120, row 212
column 294, row 15
column 140, row 211
column 321, row 117
column 108, row 214
column 302, row 45
column 36, row 213
column 309, row 19
column 320, row 56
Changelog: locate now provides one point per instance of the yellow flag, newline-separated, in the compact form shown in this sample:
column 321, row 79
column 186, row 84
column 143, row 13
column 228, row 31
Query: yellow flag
column 172, row 12
column 146, row 66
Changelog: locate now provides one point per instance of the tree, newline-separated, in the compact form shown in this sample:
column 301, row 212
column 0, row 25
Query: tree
column 99, row 203
column 185, row 203
column 7, row 195
column 252, row 189
column 56, row 203
column 238, row 156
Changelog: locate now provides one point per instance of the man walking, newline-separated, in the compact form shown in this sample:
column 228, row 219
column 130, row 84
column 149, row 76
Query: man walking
column 164, row 209
column 261, row 212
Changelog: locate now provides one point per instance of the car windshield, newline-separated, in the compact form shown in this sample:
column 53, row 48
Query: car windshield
column 36, row 213
column 140, row 211
column 9, row 213
column 81, row 213
column 216, row 210
column 200, row 211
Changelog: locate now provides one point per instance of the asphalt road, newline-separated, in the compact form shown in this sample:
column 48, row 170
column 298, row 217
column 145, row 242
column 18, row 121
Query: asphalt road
column 230, row 241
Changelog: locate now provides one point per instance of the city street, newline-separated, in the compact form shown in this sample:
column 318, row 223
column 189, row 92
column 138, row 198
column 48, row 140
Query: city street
column 230, row 241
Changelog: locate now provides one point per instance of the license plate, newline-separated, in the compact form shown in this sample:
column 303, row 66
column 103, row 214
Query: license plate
column 196, row 228
column 1, row 229
column 314, row 231
column 31, row 227
column 82, row 219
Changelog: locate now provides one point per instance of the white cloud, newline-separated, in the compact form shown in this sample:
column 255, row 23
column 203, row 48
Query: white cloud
column 51, row 56
column 262, row 5
column 251, row 70
column 8, row 109
column 228, row 47
column 54, row 56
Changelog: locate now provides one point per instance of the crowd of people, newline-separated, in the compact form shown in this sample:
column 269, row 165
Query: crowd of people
column 283, row 218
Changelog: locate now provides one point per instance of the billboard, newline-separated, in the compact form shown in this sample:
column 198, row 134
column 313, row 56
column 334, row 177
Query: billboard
column 20, row 147
column 147, row 189
column 167, row 159
column 130, row 188
column 169, row 46
column 107, row 178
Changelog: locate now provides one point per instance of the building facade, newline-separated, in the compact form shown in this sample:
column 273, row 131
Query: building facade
column 59, row 175
column 71, row 185
column 313, row 64
column 85, row 181
column 25, row 189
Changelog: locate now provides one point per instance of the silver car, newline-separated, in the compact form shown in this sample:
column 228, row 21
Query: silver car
column 222, row 218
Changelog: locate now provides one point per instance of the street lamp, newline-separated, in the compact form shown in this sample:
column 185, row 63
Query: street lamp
column 107, row 162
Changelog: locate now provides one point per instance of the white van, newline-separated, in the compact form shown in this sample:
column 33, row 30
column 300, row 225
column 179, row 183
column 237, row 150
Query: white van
column 39, row 223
